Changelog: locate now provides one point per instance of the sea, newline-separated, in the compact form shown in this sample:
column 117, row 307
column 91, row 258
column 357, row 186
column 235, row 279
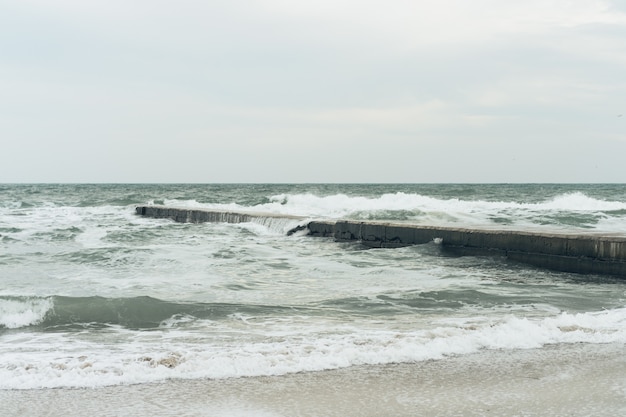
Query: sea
column 104, row 312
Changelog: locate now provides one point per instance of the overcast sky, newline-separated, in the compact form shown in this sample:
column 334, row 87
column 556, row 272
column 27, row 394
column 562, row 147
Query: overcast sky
column 313, row 91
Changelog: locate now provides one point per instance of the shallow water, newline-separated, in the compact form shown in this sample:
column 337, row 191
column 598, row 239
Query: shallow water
column 557, row 380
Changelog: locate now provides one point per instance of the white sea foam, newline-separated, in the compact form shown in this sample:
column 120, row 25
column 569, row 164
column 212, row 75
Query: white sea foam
column 188, row 355
column 278, row 225
column 22, row 312
column 420, row 208
column 342, row 204
column 578, row 201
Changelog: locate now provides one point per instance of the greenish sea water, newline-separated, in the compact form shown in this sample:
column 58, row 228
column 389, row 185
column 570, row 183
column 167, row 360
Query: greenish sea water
column 92, row 295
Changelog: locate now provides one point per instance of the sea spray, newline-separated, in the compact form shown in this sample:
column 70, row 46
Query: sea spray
column 16, row 312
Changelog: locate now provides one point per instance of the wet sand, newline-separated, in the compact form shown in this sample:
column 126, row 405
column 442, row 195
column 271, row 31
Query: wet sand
column 564, row 380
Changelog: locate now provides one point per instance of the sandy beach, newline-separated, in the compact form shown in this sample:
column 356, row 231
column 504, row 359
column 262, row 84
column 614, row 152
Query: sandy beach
column 564, row 380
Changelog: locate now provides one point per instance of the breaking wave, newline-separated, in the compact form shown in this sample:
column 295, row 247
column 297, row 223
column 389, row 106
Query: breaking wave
column 171, row 353
column 569, row 210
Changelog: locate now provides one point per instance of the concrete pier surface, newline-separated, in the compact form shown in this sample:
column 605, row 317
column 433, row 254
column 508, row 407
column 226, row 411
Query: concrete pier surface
column 580, row 252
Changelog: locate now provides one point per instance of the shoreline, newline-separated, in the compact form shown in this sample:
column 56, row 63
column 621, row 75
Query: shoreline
column 556, row 380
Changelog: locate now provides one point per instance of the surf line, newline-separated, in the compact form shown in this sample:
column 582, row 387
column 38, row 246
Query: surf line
column 578, row 252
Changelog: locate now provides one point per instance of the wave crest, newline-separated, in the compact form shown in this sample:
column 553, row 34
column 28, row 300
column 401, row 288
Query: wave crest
column 567, row 210
column 16, row 312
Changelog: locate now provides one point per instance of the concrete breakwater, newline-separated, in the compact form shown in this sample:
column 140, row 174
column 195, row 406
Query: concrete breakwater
column 587, row 253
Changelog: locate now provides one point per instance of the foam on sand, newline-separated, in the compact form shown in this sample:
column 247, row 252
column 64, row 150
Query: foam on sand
column 572, row 380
